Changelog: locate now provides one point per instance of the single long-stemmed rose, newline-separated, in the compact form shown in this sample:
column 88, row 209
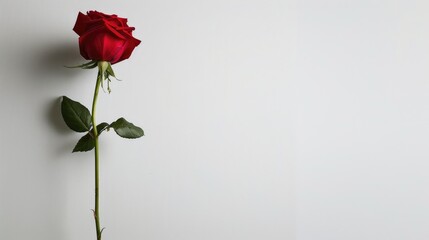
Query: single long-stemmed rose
column 104, row 40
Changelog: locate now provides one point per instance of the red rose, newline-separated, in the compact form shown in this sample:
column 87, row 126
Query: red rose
column 104, row 37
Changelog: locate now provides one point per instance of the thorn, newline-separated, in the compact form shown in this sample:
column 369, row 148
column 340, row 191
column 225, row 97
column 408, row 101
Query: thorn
column 95, row 216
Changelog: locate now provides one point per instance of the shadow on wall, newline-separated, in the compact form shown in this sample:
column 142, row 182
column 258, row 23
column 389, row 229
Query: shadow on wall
column 36, row 74
column 49, row 69
column 51, row 60
column 53, row 115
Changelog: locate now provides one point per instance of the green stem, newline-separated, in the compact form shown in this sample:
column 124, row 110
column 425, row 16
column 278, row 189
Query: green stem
column 94, row 124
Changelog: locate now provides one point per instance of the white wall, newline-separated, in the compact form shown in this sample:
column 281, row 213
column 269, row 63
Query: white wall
column 301, row 120
column 361, row 120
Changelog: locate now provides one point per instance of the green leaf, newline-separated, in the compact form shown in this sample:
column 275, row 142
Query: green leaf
column 76, row 116
column 101, row 127
column 86, row 143
column 126, row 129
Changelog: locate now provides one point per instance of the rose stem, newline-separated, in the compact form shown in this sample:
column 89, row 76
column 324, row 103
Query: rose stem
column 94, row 127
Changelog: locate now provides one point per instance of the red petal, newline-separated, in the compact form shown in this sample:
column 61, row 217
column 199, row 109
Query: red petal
column 81, row 23
column 100, row 44
column 128, row 49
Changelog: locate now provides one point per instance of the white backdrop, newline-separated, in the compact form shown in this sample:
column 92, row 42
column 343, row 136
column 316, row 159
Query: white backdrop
column 264, row 119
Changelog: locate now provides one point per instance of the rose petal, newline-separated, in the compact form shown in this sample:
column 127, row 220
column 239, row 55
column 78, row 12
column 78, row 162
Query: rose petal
column 105, row 37
column 81, row 24
column 101, row 45
column 98, row 15
column 112, row 27
column 128, row 49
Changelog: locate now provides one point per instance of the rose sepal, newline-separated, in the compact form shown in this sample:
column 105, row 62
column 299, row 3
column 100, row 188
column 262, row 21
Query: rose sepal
column 88, row 65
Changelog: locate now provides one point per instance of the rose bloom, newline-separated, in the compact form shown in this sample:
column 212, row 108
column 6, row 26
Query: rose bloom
column 104, row 37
